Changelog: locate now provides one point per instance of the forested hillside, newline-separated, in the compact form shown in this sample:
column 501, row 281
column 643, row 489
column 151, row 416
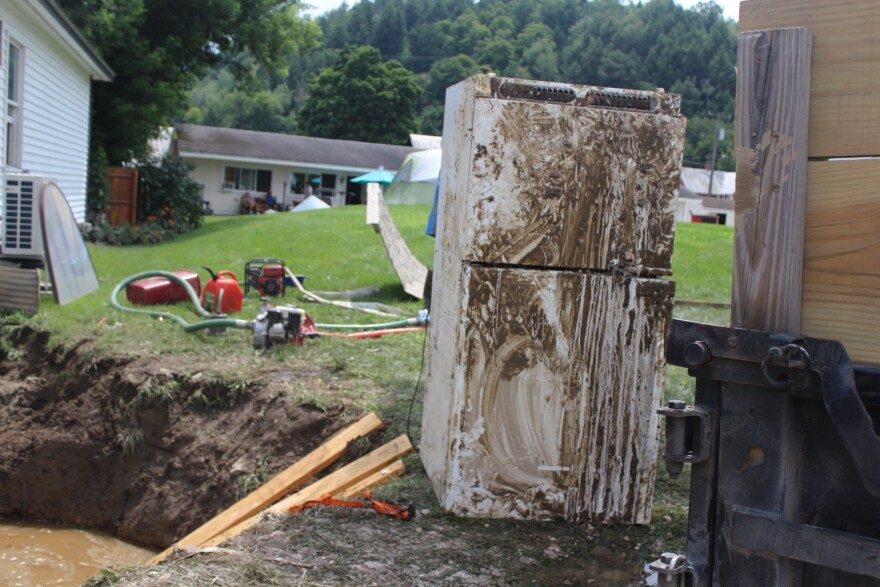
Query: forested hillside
column 423, row 46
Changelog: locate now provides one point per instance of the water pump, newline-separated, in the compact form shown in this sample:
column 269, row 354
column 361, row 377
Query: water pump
column 280, row 325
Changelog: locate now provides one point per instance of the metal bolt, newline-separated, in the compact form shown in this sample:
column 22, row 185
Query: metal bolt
column 676, row 404
column 733, row 341
column 697, row 354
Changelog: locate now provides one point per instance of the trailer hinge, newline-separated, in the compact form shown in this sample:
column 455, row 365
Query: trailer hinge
column 674, row 570
column 688, row 435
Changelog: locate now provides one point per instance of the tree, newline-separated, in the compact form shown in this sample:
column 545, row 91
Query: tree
column 218, row 101
column 159, row 48
column 389, row 36
column 360, row 98
column 448, row 72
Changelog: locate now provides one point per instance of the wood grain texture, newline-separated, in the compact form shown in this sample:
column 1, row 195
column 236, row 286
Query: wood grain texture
column 844, row 110
column 395, row 469
column 409, row 269
column 772, row 112
column 333, row 484
column 842, row 256
column 278, row 486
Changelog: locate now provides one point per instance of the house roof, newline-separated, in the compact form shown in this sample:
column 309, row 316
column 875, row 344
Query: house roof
column 696, row 181
column 235, row 144
column 54, row 16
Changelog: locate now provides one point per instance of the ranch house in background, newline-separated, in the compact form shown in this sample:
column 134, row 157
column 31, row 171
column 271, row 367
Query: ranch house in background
column 696, row 205
column 231, row 162
column 46, row 70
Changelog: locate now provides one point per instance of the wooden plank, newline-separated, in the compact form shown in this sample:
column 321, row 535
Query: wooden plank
column 766, row 533
column 281, row 484
column 395, row 469
column 771, row 172
column 409, row 269
column 841, row 251
column 844, row 109
column 333, row 484
column 19, row 289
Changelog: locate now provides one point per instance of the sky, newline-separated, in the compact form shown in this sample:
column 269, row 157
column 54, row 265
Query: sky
column 731, row 7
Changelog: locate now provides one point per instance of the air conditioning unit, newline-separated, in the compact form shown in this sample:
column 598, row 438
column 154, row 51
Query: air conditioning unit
column 21, row 228
column 227, row 186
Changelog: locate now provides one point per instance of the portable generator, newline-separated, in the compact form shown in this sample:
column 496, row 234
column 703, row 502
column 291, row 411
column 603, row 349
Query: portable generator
column 266, row 276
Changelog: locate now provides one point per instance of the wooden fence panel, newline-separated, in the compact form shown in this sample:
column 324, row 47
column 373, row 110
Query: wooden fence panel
column 844, row 110
column 123, row 186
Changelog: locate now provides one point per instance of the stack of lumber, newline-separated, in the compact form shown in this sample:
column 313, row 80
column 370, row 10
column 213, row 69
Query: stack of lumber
column 372, row 469
column 841, row 222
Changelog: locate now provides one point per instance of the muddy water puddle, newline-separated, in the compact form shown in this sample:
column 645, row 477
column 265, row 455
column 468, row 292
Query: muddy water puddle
column 39, row 555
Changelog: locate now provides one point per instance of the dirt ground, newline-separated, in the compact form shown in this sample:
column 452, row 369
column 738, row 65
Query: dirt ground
column 149, row 448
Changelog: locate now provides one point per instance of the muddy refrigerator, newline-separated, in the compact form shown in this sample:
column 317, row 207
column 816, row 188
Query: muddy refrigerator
column 550, row 303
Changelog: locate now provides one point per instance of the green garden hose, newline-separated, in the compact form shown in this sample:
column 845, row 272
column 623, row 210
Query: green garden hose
column 398, row 324
column 211, row 322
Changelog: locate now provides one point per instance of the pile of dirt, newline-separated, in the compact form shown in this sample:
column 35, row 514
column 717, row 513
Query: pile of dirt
column 144, row 448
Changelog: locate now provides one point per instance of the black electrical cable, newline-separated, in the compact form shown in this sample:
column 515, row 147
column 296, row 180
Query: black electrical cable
column 412, row 401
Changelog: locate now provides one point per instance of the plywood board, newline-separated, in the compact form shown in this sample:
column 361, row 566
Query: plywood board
column 772, row 107
column 844, row 109
column 555, row 395
column 558, row 185
column 409, row 269
column 841, row 281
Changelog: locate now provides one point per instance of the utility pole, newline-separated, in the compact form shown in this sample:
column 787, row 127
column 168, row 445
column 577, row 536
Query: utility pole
column 714, row 153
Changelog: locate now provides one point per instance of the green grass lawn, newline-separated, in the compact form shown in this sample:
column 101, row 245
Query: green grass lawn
column 337, row 250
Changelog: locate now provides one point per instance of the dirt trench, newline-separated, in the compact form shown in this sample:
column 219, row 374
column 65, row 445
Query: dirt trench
column 148, row 448
column 143, row 448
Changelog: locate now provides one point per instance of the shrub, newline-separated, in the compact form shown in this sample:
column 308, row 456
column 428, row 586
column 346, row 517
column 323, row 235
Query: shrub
column 168, row 195
column 169, row 203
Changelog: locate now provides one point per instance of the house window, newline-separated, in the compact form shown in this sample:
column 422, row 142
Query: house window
column 245, row 179
column 299, row 181
column 14, row 93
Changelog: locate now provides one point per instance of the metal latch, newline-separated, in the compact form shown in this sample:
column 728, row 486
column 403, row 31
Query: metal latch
column 688, row 435
column 673, row 569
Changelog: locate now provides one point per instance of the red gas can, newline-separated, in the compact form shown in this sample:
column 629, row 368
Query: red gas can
column 161, row 290
column 222, row 293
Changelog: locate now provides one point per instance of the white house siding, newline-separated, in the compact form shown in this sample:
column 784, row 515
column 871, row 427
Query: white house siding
column 209, row 173
column 55, row 105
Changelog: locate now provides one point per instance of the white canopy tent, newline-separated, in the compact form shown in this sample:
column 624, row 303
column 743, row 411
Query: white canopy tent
column 415, row 181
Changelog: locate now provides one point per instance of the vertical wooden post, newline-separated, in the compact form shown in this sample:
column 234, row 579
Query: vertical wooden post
column 772, row 112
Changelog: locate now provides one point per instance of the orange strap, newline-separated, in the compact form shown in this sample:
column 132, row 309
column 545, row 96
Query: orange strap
column 396, row 511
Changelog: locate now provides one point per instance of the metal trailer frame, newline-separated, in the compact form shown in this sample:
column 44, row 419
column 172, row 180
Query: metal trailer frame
column 785, row 486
